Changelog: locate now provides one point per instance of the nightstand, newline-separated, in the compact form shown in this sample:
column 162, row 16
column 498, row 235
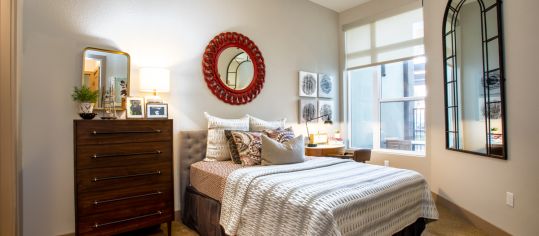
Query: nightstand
column 325, row 150
column 338, row 151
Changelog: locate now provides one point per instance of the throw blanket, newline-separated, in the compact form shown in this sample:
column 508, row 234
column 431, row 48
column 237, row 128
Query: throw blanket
column 324, row 196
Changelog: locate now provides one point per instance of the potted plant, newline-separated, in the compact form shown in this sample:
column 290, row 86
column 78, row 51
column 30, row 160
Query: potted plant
column 86, row 98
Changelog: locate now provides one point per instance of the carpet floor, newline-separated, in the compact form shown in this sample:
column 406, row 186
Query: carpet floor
column 449, row 224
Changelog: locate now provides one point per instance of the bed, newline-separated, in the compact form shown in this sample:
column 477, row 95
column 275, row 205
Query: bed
column 204, row 197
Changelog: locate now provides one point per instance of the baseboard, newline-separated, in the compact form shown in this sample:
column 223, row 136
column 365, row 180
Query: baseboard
column 489, row 228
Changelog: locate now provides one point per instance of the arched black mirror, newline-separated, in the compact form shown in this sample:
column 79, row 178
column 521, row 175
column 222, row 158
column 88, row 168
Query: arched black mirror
column 474, row 78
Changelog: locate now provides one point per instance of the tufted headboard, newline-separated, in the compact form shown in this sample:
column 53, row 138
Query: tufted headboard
column 192, row 149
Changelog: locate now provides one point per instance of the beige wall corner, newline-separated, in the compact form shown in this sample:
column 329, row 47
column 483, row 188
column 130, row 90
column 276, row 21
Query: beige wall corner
column 9, row 164
column 478, row 222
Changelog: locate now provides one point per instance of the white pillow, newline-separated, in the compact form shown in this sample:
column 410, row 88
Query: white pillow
column 276, row 153
column 217, row 148
column 256, row 124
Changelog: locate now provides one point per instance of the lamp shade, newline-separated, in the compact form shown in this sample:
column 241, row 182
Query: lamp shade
column 154, row 80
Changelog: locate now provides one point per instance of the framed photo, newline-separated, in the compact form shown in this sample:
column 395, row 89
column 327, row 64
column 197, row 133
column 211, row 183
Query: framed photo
column 307, row 84
column 325, row 86
column 326, row 107
column 156, row 111
column 307, row 110
column 135, row 108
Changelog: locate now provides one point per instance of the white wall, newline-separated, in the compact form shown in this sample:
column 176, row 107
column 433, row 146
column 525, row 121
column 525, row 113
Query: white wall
column 292, row 35
column 476, row 183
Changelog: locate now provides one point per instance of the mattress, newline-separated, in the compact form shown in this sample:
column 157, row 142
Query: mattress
column 209, row 177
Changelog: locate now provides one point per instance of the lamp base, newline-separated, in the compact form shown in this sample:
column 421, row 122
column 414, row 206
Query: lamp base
column 312, row 145
column 153, row 99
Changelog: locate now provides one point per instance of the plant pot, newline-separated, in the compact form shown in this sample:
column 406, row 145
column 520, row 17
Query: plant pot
column 86, row 107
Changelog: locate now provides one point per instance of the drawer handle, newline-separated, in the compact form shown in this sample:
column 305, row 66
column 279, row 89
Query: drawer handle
column 96, row 179
column 95, row 132
column 98, row 225
column 97, row 155
column 98, row 202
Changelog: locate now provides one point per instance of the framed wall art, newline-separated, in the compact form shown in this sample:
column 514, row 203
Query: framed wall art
column 307, row 109
column 308, row 84
column 326, row 107
column 325, row 86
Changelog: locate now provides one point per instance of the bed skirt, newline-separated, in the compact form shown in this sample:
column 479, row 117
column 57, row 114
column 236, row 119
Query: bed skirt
column 202, row 213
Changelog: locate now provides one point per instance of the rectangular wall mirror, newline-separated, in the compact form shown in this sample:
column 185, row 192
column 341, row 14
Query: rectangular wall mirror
column 107, row 71
column 474, row 78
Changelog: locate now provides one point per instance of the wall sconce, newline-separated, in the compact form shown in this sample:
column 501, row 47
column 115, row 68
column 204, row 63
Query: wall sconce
column 312, row 141
column 154, row 80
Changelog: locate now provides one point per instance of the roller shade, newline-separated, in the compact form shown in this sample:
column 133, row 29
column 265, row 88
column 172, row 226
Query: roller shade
column 385, row 39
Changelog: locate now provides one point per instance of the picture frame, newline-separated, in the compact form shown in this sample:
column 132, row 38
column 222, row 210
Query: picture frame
column 308, row 84
column 326, row 86
column 326, row 107
column 157, row 111
column 307, row 109
column 134, row 108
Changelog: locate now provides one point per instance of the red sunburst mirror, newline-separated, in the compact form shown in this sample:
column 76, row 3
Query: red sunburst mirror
column 233, row 68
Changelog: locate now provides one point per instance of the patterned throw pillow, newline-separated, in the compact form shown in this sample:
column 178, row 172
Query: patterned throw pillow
column 281, row 135
column 248, row 146
column 256, row 124
column 217, row 147
column 232, row 147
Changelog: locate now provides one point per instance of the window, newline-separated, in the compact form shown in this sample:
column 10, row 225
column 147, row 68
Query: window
column 385, row 70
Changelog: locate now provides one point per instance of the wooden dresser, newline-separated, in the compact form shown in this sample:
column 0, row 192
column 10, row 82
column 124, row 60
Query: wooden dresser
column 123, row 175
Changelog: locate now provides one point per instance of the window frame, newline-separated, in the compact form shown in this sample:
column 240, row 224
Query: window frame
column 377, row 104
column 377, row 100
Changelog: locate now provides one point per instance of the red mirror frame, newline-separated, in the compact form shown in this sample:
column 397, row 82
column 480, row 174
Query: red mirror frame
column 211, row 74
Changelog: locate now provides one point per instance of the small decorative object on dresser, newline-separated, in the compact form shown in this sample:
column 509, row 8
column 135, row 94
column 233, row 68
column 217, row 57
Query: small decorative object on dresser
column 86, row 99
column 123, row 175
column 135, row 108
column 307, row 84
column 157, row 111
column 325, row 86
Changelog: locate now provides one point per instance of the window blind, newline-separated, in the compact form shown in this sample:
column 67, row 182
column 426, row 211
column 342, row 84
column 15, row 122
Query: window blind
column 385, row 39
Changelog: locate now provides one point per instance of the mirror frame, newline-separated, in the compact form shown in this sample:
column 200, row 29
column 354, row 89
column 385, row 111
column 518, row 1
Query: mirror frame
column 484, row 9
column 211, row 73
column 113, row 52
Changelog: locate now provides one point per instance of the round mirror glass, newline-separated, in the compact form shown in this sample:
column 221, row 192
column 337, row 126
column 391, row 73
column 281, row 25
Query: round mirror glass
column 235, row 67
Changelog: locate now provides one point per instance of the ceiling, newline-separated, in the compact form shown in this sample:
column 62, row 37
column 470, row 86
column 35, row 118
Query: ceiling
column 339, row 5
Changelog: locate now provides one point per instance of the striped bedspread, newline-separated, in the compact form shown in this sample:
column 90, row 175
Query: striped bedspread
column 324, row 196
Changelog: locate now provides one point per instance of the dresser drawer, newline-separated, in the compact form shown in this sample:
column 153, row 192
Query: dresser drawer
column 122, row 131
column 112, row 201
column 116, row 178
column 125, row 154
column 124, row 220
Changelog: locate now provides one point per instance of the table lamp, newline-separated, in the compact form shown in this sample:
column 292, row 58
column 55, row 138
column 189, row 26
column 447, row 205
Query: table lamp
column 154, row 80
column 311, row 137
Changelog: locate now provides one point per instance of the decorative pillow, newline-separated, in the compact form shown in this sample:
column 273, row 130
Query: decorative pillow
column 276, row 153
column 247, row 145
column 256, row 124
column 217, row 147
column 281, row 135
column 232, row 147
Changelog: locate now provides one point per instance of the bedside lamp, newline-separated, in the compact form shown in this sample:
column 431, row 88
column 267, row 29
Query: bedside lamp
column 154, row 80
column 326, row 122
